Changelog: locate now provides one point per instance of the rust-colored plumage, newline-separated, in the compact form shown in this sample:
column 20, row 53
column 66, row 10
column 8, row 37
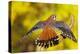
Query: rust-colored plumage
column 47, row 33
column 48, row 37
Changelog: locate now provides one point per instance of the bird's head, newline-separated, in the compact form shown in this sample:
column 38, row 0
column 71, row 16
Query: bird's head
column 52, row 18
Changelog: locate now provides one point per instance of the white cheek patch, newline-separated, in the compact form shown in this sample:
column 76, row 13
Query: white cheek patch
column 53, row 17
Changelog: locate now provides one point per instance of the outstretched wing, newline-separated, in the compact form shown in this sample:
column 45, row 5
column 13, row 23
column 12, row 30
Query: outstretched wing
column 65, row 29
column 36, row 26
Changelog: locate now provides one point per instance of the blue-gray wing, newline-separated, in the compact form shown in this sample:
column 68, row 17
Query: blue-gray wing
column 36, row 26
column 66, row 32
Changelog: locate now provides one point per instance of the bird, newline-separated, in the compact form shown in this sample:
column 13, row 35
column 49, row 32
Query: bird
column 48, row 36
column 51, row 21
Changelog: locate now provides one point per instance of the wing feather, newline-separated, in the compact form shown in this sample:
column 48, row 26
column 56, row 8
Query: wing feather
column 66, row 31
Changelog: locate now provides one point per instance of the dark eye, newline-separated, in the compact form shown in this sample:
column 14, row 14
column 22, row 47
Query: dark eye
column 53, row 16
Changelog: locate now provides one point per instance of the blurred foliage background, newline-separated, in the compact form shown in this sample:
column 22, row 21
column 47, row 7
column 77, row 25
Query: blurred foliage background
column 24, row 15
